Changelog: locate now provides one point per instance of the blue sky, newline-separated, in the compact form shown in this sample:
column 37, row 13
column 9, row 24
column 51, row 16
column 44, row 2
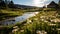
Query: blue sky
column 38, row 3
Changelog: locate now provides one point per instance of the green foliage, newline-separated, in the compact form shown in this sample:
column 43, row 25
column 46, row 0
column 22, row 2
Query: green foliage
column 38, row 24
column 50, row 9
column 5, row 29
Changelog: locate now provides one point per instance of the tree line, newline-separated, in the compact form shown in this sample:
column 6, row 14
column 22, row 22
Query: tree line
column 9, row 4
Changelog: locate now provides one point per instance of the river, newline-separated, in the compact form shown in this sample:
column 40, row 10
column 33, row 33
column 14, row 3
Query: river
column 18, row 19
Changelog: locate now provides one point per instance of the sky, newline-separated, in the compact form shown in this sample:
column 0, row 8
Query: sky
column 38, row 3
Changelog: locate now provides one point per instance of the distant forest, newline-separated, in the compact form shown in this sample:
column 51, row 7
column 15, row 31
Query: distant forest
column 6, row 4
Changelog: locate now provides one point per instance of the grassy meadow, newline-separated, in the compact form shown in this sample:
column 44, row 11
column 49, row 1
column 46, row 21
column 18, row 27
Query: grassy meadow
column 47, row 22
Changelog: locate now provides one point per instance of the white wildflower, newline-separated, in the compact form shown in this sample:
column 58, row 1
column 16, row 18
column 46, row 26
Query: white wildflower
column 52, row 24
column 15, row 27
column 42, row 19
column 38, row 32
column 45, row 21
column 21, row 30
column 15, row 30
column 58, row 29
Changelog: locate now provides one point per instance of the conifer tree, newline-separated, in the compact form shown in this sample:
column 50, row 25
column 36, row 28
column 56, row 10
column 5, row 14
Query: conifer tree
column 11, row 4
column 2, row 4
column 59, row 2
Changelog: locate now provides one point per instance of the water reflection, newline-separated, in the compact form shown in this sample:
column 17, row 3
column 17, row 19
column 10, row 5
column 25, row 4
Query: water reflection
column 19, row 18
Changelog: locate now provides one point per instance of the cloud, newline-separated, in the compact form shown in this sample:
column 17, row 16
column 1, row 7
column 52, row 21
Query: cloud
column 41, row 3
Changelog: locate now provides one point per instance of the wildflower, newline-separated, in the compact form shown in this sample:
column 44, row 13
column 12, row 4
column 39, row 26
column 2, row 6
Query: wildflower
column 45, row 21
column 52, row 24
column 51, row 20
column 15, row 30
column 55, row 21
column 38, row 32
column 15, row 27
column 45, row 32
column 41, row 32
column 29, row 21
column 58, row 29
column 42, row 19
column 21, row 30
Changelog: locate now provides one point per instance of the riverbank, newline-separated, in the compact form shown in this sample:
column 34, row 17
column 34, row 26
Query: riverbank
column 20, row 19
column 10, row 27
column 6, row 14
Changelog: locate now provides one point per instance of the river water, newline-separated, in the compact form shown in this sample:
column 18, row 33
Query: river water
column 19, row 18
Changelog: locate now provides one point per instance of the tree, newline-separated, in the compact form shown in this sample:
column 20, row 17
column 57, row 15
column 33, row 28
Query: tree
column 6, row 3
column 59, row 3
column 11, row 4
column 0, row 0
column 2, row 4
